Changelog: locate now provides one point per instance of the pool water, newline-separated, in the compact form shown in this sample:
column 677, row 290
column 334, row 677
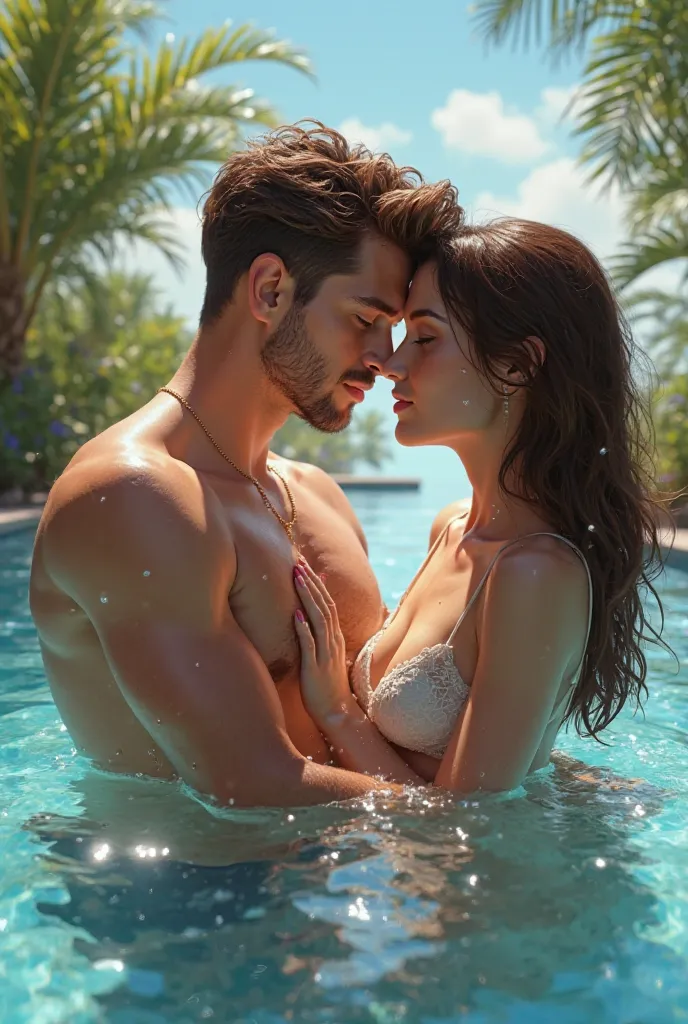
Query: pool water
column 566, row 901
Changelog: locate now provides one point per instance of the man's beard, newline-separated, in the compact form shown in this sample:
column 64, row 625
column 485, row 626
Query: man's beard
column 293, row 364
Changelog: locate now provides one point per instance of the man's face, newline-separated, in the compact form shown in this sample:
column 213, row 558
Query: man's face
column 325, row 355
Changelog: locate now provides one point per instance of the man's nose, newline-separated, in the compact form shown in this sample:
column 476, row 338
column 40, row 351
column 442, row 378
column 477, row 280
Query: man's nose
column 378, row 350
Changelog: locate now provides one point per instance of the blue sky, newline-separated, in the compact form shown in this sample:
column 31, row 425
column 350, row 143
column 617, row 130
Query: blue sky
column 416, row 80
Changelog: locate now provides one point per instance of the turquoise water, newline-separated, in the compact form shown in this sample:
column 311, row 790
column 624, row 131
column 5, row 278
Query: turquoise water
column 565, row 902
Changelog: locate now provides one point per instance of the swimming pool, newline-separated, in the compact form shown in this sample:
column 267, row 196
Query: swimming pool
column 567, row 902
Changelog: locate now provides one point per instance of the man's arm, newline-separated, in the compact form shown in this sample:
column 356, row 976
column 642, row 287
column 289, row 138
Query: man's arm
column 151, row 563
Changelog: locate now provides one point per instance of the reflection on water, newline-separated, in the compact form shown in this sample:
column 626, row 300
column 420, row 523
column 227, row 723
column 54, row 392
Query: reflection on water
column 530, row 900
column 121, row 900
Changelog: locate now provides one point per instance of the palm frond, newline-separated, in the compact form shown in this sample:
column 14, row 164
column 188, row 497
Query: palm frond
column 560, row 24
column 633, row 109
column 662, row 244
column 92, row 148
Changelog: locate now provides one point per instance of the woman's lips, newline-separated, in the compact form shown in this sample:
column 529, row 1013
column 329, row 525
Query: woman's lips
column 401, row 405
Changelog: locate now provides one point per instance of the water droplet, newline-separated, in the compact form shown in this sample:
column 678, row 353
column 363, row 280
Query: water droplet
column 600, row 863
column 265, row 577
column 591, row 528
column 466, row 401
column 197, row 664
column 118, row 753
column 103, row 599
column 146, row 572
column 464, row 370
column 72, row 610
column 102, row 500
column 290, row 817
column 159, row 721
column 604, row 451
column 193, row 765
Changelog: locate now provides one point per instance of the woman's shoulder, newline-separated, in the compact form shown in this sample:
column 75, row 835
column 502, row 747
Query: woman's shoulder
column 456, row 510
column 541, row 572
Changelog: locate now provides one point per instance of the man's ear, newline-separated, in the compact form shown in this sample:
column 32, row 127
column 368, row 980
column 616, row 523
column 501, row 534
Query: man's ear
column 270, row 289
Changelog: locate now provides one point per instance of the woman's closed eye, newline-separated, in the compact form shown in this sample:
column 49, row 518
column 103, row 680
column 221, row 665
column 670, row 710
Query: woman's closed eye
column 423, row 340
column 362, row 321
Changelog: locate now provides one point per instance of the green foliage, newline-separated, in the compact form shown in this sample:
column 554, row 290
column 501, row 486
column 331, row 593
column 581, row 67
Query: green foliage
column 671, row 425
column 93, row 132
column 98, row 352
column 631, row 110
column 667, row 316
column 95, row 355
column 363, row 442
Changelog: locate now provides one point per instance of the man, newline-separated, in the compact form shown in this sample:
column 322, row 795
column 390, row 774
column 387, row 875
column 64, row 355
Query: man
column 162, row 583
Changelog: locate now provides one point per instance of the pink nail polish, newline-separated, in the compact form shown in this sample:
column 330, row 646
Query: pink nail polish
column 300, row 616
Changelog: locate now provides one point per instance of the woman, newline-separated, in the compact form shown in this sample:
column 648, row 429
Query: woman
column 527, row 611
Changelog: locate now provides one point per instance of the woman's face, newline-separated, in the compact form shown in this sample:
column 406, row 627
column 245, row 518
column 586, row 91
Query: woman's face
column 439, row 394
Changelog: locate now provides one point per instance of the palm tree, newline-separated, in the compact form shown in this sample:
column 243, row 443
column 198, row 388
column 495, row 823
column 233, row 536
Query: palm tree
column 93, row 135
column 667, row 316
column 631, row 110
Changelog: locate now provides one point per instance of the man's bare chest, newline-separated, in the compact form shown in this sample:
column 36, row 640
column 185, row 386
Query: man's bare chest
column 264, row 600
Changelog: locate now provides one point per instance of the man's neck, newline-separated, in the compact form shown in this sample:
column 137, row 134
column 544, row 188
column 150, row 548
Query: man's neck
column 223, row 380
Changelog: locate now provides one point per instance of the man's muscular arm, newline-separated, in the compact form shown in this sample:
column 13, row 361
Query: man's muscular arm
column 152, row 566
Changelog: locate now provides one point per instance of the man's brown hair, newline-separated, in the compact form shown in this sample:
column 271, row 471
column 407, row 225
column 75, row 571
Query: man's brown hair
column 305, row 194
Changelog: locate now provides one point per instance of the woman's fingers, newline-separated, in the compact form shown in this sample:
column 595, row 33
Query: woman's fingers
column 316, row 611
column 306, row 640
column 319, row 585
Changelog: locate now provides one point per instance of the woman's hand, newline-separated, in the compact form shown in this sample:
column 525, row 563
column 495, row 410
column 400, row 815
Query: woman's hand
column 324, row 676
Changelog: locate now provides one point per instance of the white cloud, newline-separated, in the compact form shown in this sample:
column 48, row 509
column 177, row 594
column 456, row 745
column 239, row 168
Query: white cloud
column 382, row 137
column 553, row 103
column 480, row 124
column 557, row 193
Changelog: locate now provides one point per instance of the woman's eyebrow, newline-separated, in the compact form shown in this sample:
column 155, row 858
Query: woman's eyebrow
column 427, row 312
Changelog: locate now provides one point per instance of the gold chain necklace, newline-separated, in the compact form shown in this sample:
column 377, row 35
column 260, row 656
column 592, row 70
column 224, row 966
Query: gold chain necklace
column 288, row 525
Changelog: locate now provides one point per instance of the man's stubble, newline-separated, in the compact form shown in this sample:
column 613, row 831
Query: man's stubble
column 293, row 364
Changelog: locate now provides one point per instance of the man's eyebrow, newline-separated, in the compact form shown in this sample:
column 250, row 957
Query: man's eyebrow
column 375, row 303
column 427, row 312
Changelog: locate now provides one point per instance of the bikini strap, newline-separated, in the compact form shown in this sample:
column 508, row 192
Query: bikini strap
column 425, row 561
column 480, row 586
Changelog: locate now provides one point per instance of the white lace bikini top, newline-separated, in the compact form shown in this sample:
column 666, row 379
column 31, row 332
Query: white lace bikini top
column 417, row 703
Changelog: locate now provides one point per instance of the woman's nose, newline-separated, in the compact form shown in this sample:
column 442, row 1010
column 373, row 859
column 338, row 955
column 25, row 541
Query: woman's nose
column 394, row 368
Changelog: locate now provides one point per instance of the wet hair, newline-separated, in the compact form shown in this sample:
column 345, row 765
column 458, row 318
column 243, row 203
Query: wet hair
column 304, row 193
column 583, row 453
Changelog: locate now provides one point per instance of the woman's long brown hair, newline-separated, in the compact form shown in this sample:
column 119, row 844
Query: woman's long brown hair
column 583, row 452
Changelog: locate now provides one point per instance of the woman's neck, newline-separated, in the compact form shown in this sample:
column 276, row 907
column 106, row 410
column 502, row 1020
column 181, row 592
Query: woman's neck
column 496, row 513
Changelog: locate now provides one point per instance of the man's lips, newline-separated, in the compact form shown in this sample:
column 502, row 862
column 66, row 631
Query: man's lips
column 357, row 391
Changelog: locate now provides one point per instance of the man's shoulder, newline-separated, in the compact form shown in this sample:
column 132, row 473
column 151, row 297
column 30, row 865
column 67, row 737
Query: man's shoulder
column 310, row 477
column 321, row 485
column 123, row 490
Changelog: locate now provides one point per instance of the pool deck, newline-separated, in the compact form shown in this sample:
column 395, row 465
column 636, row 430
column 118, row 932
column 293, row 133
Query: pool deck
column 12, row 520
